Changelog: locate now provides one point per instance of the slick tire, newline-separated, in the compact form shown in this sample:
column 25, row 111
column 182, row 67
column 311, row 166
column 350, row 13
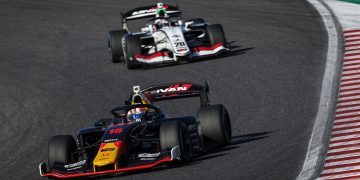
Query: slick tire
column 132, row 48
column 60, row 149
column 115, row 45
column 215, row 124
column 215, row 34
column 175, row 133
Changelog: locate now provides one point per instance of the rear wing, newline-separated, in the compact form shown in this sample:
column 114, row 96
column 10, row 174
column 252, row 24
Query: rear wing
column 177, row 91
column 147, row 12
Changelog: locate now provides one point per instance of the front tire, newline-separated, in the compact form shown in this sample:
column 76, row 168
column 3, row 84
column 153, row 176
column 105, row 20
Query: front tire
column 215, row 124
column 60, row 149
column 115, row 45
column 175, row 133
column 215, row 34
column 132, row 48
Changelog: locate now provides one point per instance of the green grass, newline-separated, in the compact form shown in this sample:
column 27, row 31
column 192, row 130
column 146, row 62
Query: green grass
column 352, row 1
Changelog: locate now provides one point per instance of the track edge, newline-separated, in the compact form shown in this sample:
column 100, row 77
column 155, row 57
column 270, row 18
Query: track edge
column 320, row 136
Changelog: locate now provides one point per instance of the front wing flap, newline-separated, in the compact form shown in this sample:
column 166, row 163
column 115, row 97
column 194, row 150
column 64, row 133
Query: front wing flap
column 60, row 173
column 196, row 52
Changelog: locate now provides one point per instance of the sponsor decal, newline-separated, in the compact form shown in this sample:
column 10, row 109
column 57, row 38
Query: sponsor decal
column 80, row 163
column 173, row 88
column 144, row 11
column 110, row 140
column 147, row 159
column 105, row 154
column 107, row 149
column 179, row 44
column 148, row 155
column 74, row 168
column 115, row 131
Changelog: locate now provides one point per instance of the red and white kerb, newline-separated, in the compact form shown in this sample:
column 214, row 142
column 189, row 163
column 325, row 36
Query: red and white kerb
column 343, row 155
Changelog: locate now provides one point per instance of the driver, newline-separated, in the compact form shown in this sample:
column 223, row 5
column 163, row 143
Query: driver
column 137, row 114
column 162, row 16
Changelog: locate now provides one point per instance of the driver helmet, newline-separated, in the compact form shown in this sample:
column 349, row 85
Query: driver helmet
column 137, row 114
column 161, row 14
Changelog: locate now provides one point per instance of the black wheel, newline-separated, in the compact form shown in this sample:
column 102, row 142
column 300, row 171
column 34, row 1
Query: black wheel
column 60, row 149
column 132, row 48
column 196, row 21
column 215, row 123
column 215, row 34
column 175, row 133
column 115, row 45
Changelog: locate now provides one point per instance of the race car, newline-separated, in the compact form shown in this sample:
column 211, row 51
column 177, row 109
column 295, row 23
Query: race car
column 166, row 38
column 140, row 135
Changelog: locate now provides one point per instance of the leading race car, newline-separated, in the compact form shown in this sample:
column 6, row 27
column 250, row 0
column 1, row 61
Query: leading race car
column 140, row 135
column 165, row 38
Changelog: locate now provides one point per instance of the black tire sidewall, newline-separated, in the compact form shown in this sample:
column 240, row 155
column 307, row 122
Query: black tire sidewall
column 215, row 34
column 215, row 123
column 60, row 149
column 115, row 44
column 226, row 126
column 132, row 47
column 173, row 134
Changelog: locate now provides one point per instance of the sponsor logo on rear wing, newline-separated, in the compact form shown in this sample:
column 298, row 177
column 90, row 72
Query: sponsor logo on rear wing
column 149, row 11
column 177, row 91
column 172, row 89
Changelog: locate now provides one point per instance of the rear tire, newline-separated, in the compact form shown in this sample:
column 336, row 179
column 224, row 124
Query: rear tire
column 60, row 149
column 215, row 34
column 215, row 124
column 115, row 45
column 132, row 48
column 175, row 133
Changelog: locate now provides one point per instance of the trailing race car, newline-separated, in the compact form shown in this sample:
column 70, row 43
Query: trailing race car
column 165, row 38
column 140, row 135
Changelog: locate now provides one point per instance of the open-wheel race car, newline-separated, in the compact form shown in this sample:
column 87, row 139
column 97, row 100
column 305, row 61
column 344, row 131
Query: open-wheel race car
column 140, row 135
column 166, row 38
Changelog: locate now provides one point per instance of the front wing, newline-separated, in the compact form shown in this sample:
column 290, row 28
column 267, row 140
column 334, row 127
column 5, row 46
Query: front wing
column 61, row 174
column 196, row 52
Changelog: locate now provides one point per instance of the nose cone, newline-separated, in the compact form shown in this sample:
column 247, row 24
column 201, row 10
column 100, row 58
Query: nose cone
column 108, row 154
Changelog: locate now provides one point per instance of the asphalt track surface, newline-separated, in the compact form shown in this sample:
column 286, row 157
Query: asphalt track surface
column 56, row 77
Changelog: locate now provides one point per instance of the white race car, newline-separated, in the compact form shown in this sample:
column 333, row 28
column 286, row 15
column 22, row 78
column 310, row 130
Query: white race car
column 165, row 38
